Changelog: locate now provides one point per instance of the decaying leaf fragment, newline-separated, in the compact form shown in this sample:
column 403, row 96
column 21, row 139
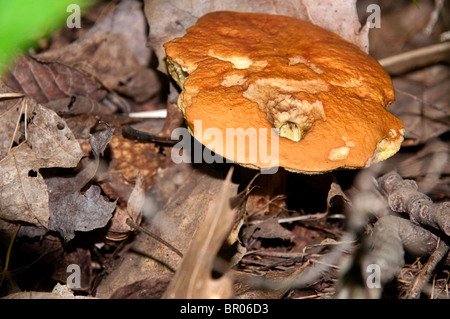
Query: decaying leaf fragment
column 70, row 210
column 266, row 229
column 77, row 212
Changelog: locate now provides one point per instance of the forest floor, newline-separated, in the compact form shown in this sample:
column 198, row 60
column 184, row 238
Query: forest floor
column 108, row 214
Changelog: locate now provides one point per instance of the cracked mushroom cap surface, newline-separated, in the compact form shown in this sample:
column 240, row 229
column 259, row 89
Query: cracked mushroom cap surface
column 257, row 84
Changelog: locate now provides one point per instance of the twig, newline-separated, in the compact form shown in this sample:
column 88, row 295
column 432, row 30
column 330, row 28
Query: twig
column 146, row 136
column 162, row 241
column 8, row 254
column 404, row 62
column 303, row 217
column 424, row 275
column 11, row 95
column 434, row 107
column 155, row 114
column 438, row 4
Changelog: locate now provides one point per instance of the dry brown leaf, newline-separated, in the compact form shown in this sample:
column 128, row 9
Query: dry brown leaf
column 46, row 81
column 269, row 228
column 149, row 288
column 114, row 52
column 193, row 279
column 128, row 19
column 169, row 19
column 119, row 229
column 76, row 212
column 49, row 143
column 172, row 212
column 58, row 292
column 335, row 190
column 78, row 256
column 78, row 105
column 422, row 103
column 136, row 200
column 23, row 193
column 98, row 55
column 51, row 139
column 397, row 33
column 72, row 211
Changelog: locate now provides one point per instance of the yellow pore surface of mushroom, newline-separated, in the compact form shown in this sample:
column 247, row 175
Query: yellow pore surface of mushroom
column 249, row 73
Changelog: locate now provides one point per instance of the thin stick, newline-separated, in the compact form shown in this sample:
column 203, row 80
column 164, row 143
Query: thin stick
column 11, row 95
column 16, row 128
column 157, row 238
column 8, row 254
column 155, row 114
column 415, row 98
column 425, row 273
column 303, row 217
column 146, row 136
column 404, row 62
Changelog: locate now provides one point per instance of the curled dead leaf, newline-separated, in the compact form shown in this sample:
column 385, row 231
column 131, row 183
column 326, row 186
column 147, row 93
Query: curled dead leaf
column 119, row 229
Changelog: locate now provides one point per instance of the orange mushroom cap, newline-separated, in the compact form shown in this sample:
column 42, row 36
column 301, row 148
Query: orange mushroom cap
column 253, row 73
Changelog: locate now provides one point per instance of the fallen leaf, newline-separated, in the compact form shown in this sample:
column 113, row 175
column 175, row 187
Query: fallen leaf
column 77, row 212
column 422, row 103
column 335, row 190
column 269, row 228
column 10, row 112
column 149, row 288
column 46, row 81
column 59, row 292
column 193, row 279
column 72, row 211
column 120, row 36
column 79, row 256
column 78, row 105
column 52, row 140
column 127, row 19
column 100, row 140
column 23, row 192
column 49, row 143
column 119, row 229
column 397, row 34
column 136, row 200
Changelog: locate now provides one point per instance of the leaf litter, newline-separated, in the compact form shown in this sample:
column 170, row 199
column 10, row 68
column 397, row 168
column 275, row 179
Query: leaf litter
column 71, row 180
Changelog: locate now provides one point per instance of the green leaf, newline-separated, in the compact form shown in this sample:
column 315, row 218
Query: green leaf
column 24, row 22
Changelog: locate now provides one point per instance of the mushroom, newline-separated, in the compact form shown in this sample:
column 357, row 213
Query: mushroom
column 278, row 79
